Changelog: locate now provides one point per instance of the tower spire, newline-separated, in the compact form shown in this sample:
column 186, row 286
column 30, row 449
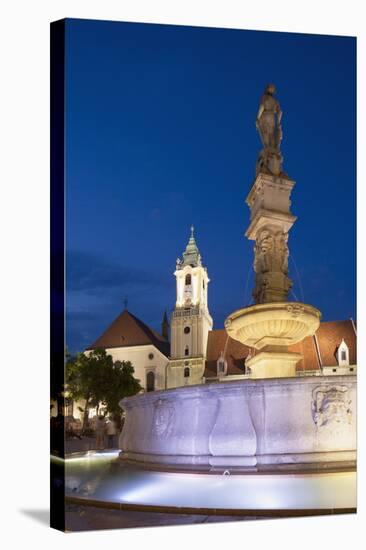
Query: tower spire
column 165, row 326
column 191, row 255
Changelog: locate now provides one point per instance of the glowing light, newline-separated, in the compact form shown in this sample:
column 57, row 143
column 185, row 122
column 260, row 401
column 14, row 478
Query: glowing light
column 102, row 477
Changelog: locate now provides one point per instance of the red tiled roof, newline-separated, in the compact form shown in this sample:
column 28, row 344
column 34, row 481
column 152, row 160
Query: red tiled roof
column 235, row 353
column 328, row 336
column 128, row 330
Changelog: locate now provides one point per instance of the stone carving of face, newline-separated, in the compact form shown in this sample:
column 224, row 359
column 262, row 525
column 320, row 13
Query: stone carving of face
column 162, row 418
column 331, row 406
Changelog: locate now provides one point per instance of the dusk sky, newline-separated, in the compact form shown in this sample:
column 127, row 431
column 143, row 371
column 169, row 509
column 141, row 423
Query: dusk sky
column 160, row 134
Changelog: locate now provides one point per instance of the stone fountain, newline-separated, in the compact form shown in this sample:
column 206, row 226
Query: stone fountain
column 275, row 419
column 299, row 433
column 273, row 323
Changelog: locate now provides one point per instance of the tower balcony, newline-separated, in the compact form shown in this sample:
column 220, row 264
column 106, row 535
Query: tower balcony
column 186, row 312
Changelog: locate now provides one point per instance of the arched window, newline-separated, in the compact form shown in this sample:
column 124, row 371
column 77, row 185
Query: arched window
column 150, row 381
column 187, row 330
column 188, row 279
column 187, row 372
column 186, row 351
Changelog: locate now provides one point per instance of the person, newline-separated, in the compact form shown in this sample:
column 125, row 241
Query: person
column 111, row 432
column 99, row 431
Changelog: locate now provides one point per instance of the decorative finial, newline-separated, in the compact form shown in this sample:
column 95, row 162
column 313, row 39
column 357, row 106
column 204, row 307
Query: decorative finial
column 125, row 301
column 192, row 231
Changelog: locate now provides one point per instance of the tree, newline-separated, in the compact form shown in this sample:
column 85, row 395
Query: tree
column 87, row 377
column 122, row 384
column 95, row 378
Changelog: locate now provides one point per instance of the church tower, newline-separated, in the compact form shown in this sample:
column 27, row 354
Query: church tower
column 191, row 320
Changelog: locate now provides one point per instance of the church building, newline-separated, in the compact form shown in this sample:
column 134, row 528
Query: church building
column 194, row 353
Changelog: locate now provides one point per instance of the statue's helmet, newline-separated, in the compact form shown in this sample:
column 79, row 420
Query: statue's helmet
column 270, row 89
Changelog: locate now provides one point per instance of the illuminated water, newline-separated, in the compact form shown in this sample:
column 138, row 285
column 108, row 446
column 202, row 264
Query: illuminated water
column 100, row 476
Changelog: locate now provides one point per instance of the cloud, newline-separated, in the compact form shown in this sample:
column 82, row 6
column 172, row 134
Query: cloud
column 95, row 291
column 81, row 329
column 85, row 325
column 92, row 274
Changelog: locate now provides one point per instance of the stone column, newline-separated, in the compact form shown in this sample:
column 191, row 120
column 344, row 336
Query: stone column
column 270, row 221
column 273, row 323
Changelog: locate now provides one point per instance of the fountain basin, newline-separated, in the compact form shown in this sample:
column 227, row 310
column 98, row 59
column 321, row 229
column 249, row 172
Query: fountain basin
column 273, row 324
column 244, row 425
column 276, row 447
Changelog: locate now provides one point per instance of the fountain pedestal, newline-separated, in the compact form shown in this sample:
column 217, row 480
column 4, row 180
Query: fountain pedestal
column 274, row 364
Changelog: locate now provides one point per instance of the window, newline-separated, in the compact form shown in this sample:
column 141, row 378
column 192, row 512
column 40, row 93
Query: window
column 150, row 381
column 187, row 372
column 203, row 285
column 187, row 330
column 334, row 370
column 351, row 369
column 151, row 356
column 188, row 279
column 186, row 351
column 342, row 354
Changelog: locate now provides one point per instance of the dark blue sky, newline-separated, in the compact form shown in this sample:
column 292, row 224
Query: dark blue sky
column 160, row 134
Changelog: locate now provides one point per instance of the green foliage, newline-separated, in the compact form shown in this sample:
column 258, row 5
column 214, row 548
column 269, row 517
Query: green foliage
column 95, row 378
column 87, row 376
column 123, row 384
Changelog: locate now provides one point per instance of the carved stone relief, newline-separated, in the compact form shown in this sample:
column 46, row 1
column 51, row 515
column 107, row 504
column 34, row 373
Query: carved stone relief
column 331, row 407
column 295, row 309
column 271, row 266
column 163, row 418
column 271, row 251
